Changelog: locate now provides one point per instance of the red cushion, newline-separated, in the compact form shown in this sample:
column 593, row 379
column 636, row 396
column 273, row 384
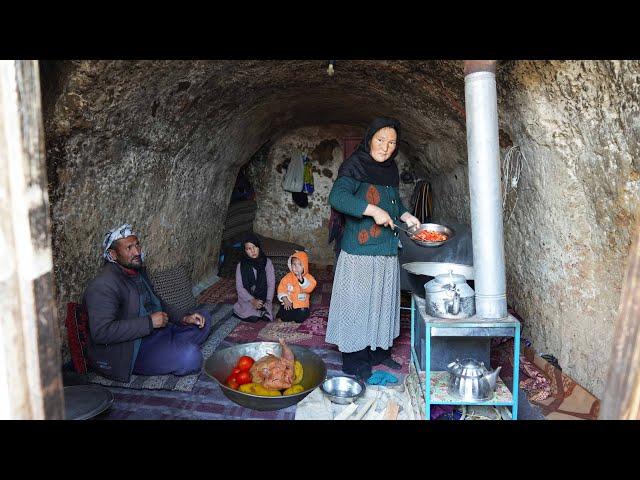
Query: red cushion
column 77, row 322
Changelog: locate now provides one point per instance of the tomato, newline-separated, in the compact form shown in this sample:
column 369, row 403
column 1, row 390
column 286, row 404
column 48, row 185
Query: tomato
column 243, row 377
column 232, row 382
column 236, row 371
column 245, row 363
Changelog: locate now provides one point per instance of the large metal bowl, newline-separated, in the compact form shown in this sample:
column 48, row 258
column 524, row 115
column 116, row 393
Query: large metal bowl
column 434, row 227
column 219, row 365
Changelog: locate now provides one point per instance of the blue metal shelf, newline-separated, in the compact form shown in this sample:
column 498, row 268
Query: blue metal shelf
column 507, row 327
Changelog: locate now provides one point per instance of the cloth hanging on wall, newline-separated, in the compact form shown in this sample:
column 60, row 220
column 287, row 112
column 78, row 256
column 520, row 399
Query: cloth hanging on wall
column 294, row 177
column 422, row 201
column 308, row 176
column 301, row 199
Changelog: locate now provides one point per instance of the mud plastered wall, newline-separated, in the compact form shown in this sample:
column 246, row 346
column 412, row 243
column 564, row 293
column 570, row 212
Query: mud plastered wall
column 278, row 216
column 567, row 243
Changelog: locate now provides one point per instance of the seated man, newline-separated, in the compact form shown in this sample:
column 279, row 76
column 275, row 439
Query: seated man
column 128, row 330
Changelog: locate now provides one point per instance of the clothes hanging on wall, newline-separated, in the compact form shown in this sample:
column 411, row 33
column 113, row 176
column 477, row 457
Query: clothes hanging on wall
column 308, row 176
column 301, row 199
column 294, row 177
column 422, row 201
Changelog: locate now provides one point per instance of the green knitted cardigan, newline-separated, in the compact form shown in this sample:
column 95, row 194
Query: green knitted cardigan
column 361, row 234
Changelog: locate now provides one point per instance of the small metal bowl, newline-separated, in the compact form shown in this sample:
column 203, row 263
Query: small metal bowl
column 434, row 227
column 343, row 390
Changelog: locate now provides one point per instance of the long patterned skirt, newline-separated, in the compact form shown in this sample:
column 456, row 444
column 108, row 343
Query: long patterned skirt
column 365, row 302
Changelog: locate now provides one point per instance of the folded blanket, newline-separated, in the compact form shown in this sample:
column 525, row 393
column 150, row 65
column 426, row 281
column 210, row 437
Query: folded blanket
column 243, row 206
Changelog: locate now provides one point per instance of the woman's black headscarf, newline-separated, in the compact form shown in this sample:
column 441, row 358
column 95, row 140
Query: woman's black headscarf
column 362, row 167
column 255, row 284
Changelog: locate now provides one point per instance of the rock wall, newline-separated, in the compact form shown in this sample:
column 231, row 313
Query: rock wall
column 124, row 151
column 278, row 216
column 567, row 242
column 159, row 144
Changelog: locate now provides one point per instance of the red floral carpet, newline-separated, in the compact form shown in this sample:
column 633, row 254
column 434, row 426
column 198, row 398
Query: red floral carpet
column 206, row 400
column 223, row 291
column 311, row 333
column 558, row 396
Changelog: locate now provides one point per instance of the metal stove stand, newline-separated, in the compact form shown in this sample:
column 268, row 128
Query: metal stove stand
column 435, row 387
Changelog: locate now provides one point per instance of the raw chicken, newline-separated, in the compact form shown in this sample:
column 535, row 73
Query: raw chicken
column 274, row 372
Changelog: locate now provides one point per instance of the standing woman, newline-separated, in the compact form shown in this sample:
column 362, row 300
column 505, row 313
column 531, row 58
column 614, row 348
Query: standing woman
column 255, row 282
column 364, row 315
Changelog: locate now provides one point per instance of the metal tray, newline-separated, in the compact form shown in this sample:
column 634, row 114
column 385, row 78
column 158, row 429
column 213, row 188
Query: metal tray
column 82, row 402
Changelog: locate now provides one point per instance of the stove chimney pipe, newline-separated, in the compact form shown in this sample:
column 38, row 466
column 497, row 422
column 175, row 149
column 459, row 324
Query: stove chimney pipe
column 484, row 188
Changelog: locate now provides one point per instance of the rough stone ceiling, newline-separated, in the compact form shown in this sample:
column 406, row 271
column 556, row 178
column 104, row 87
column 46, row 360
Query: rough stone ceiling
column 253, row 101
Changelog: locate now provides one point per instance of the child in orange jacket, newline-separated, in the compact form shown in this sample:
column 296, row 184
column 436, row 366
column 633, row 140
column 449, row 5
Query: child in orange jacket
column 294, row 289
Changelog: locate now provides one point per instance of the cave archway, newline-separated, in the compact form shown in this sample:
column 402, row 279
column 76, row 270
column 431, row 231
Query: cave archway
column 159, row 144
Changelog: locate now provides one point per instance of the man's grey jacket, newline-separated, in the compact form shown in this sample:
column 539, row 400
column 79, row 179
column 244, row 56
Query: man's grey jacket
column 112, row 301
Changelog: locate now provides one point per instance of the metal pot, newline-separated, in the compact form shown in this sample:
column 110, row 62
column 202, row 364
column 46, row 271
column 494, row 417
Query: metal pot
column 449, row 296
column 471, row 381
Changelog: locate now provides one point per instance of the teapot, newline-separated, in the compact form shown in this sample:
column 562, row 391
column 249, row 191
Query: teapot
column 449, row 296
column 471, row 381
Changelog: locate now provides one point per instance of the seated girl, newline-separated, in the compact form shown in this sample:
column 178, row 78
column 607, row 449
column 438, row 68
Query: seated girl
column 294, row 289
column 255, row 283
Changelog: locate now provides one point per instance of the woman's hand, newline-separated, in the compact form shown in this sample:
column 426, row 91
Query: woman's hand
column 257, row 304
column 410, row 220
column 380, row 216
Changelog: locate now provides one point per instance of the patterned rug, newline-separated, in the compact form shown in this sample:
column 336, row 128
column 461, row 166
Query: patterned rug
column 223, row 291
column 204, row 402
column 297, row 334
column 311, row 333
column 547, row 387
column 224, row 323
column 558, row 395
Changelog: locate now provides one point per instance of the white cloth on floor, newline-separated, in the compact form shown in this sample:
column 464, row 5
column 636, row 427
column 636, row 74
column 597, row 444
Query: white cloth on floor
column 317, row 406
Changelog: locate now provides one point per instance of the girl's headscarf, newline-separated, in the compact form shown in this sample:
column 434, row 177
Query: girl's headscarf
column 255, row 283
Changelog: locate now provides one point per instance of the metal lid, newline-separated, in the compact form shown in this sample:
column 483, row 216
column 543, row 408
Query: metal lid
column 82, row 402
column 468, row 368
column 432, row 286
column 445, row 278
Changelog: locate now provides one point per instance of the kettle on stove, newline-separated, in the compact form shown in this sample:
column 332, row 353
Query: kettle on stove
column 449, row 296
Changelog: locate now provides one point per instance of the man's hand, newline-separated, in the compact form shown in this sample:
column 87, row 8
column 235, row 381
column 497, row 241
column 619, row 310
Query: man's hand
column 159, row 319
column 287, row 303
column 257, row 304
column 194, row 319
